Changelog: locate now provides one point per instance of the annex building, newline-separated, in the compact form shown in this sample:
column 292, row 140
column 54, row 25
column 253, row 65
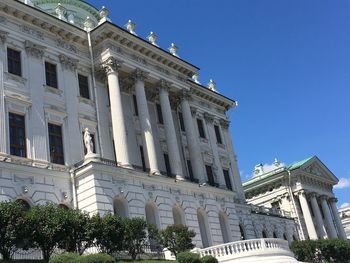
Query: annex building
column 94, row 117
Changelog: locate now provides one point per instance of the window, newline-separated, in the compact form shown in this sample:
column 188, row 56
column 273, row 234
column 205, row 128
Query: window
column 56, row 144
column 143, row 159
column 190, row 171
column 17, row 135
column 218, row 134
column 14, row 62
column 83, row 86
column 93, row 143
column 159, row 113
column 181, row 119
column 136, row 110
column 210, row 175
column 200, row 128
column 167, row 164
column 227, row 179
column 51, row 75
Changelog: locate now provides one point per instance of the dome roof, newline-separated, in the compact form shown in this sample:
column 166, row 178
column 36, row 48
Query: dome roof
column 71, row 11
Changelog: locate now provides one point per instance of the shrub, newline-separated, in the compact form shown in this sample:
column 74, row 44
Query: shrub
column 209, row 259
column 96, row 258
column 188, row 257
column 65, row 258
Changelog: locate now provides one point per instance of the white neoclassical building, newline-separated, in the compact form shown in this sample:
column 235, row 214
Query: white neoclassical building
column 304, row 190
column 344, row 213
column 94, row 117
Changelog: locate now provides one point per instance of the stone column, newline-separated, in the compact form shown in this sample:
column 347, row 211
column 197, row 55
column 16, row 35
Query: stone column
column 340, row 227
column 332, row 233
column 192, row 139
column 173, row 147
column 209, row 119
column 318, row 217
column 307, row 216
column 3, row 141
column 111, row 66
column 145, row 121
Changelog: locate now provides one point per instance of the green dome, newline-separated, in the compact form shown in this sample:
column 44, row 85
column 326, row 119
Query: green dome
column 72, row 11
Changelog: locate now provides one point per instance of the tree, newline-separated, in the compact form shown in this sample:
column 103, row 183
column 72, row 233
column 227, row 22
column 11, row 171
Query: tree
column 135, row 238
column 11, row 224
column 177, row 238
column 45, row 228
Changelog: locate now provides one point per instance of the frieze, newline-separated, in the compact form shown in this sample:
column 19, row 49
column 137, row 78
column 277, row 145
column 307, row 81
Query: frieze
column 139, row 59
column 34, row 50
column 63, row 44
column 68, row 63
column 28, row 180
column 33, row 32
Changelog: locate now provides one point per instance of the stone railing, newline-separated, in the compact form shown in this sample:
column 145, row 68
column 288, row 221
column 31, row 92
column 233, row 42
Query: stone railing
column 249, row 248
column 269, row 211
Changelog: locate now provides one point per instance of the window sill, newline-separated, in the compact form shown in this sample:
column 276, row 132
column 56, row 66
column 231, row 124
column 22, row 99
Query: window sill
column 86, row 101
column 220, row 145
column 15, row 77
column 203, row 140
column 53, row 90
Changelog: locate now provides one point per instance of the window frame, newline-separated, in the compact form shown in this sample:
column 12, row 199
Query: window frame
column 53, row 155
column 218, row 134
column 10, row 69
column 210, row 175
column 51, row 76
column 200, row 127
column 17, row 126
column 227, row 178
column 84, row 88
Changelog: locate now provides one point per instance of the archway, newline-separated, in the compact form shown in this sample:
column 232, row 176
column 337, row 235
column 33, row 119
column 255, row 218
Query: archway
column 264, row 234
column 153, row 219
column 203, row 227
column 120, row 207
column 225, row 230
column 178, row 215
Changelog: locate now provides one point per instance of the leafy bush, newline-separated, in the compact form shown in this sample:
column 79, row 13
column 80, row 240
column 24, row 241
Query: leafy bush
column 188, row 257
column 65, row 258
column 209, row 259
column 96, row 258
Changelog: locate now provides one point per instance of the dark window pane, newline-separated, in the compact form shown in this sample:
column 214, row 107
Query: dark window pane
column 210, row 175
column 181, row 119
column 56, row 144
column 218, row 134
column 167, row 164
column 136, row 110
column 84, row 86
column 227, row 179
column 51, row 75
column 200, row 128
column 17, row 135
column 14, row 62
column 143, row 159
column 159, row 113
column 190, row 171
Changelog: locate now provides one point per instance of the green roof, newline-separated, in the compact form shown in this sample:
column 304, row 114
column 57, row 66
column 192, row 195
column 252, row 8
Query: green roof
column 298, row 164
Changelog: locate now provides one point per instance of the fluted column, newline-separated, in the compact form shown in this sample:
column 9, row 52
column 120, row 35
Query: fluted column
column 332, row 233
column 318, row 217
column 340, row 227
column 307, row 216
column 173, row 148
column 145, row 121
column 111, row 66
column 192, row 139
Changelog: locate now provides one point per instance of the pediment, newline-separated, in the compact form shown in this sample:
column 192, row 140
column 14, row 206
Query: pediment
column 315, row 167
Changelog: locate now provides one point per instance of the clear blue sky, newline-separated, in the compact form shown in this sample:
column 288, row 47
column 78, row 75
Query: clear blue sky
column 287, row 63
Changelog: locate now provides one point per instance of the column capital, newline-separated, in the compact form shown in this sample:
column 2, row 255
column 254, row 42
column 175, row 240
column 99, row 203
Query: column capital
column 333, row 199
column 193, row 111
column 68, row 62
column 139, row 74
column 208, row 117
column 312, row 194
column 164, row 85
column 3, row 36
column 323, row 198
column 185, row 95
column 35, row 50
column 225, row 123
column 110, row 65
column 301, row 192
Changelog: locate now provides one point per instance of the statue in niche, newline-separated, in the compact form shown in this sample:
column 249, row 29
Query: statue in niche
column 89, row 145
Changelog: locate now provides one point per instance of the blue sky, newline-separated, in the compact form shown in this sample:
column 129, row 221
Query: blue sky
column 287, row 63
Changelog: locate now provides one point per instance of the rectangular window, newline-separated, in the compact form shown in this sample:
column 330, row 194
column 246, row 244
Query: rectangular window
column 190, row 171
column 143, row 159
column 17, row 135
column 210, row 175
column 181, row 119
column 83, row 86
column 136, row 110
column 51, row 75
column 200, row 128
column 218, row 134
column 14, row 62
column 159, row 113
column 167, row 164
column 227, row 179
column 56, row 144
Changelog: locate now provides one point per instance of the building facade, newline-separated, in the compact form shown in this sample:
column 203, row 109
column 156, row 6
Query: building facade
column 304, row 190
column 96, row 118
column 344, row 213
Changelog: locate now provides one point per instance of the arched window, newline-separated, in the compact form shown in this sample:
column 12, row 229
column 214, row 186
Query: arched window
column 264, row 234
column 226, row 233
column 120, row 207
column 152, row 214
column 178, row 215
column 241, row 230
column 274, row 235
column 25, row 205
column 203, row 227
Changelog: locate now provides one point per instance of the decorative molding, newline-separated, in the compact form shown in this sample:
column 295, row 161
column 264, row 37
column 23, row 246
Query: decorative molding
column 224, row 123
column 68, row 62
column 110, row 65
column 62, row 44
column 193, row 111
column 31, row 31
column 34, row 50
column 208, row 117
column 3, row 36
column 139, row 74
column 164, row 85
column 53, row 90
column 10, row 76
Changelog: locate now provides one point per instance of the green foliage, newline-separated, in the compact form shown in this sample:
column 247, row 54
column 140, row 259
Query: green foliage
column 96, row 258
column 11, row 226
column 188, row 257
column 177, row 238
column 135, row 237
column 209, row 259
column 331, row 250
column 65, row 258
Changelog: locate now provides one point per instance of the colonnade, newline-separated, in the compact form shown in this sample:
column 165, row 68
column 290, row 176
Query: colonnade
column 326, row 223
